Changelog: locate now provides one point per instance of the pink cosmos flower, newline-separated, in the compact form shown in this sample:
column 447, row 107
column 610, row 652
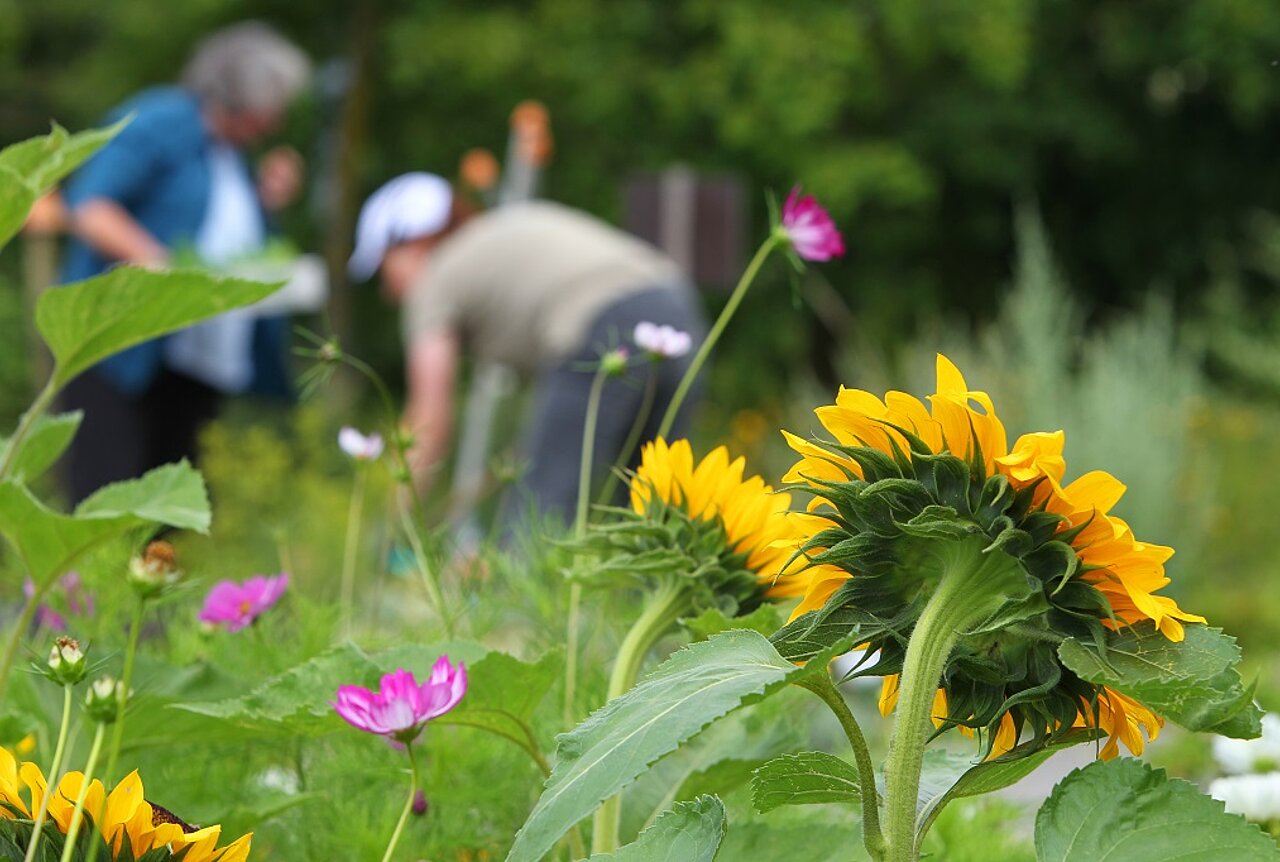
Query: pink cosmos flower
column 401, row 708
column 812, row 232
column 359, row 446
column 662, row 342
column 236, row 606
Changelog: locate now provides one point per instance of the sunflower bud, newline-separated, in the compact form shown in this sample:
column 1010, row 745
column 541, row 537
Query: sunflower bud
column 102, row 700
column 67, row 664
column 153, row 571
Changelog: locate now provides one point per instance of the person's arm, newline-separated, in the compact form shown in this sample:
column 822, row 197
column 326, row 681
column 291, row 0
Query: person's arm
column 431, row 370
column 107, row 228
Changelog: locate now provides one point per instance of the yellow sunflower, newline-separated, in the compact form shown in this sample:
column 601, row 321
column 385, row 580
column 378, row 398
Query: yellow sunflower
column 123, row 815
column 962, row 422
column 757, row 521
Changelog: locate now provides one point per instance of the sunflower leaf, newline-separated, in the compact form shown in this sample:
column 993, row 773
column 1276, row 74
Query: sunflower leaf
column 50, row 542
column 1194, row 681
column 691, row 689
column 86, row 322
column 689, row 832
column 1124, row 809
column 807, row 778
column 44, row 444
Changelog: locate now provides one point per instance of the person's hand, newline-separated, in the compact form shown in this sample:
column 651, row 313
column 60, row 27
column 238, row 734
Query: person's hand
column 280, row 172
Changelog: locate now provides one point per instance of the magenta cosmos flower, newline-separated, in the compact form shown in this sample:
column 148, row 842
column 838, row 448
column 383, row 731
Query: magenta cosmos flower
column 236, row 605
column 401, row 708
column 811, row 231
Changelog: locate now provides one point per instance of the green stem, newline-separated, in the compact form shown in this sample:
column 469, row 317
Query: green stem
column 664, row 607
column 704, row 350
column 633, row 438
column 126, row 685
column 354, row 513
column 429, row 576
column 20, row 627
column 25, row 424
column 963, row 597
column 408, row 804
column 872, row 837
column 580, row 530
column 77, row 816
column 54, row 774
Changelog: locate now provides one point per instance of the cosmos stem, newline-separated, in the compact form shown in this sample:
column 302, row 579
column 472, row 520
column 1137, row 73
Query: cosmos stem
column 54, row 773
column 408, row 804
column 77, row 816
column 664, row 607
column 963, row 598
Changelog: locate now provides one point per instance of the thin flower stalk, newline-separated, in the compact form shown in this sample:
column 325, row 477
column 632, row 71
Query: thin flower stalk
column 408, row 805
column 55, row 771
column 77, row 817
column 355, row 512
column 126, row 681
column 579, row 529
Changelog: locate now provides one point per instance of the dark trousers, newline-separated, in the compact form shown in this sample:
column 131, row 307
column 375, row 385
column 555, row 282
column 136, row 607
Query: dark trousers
column 122, row 436
column 554, row 442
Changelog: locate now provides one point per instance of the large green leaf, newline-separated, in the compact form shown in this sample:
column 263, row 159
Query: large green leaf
column 49, row 542
column 807, row 778
column 948, row 777
column 794, row 835
column 689, row 832
column 1194, row 681
column 90, row 320
column 501, row 696
column 48, row 438
column 601, row 756
column 1125, row 811
column 30, row 168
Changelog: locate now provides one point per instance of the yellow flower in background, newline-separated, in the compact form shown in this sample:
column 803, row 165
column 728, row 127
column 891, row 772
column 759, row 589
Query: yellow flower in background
column 756, row 519
column 962, row 422
column 124, row 815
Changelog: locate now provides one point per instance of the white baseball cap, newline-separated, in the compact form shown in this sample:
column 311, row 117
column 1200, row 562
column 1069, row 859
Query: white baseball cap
column 409, row 207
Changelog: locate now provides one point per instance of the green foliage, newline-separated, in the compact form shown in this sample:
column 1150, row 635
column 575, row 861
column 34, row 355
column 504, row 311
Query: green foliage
column 1193, row 681
column 86, row 322
column 765, row 619
column 1124, row 809
column 49, row 543
column 32, row 167
column 690, row 832
column 808, row 778
column 606, row 752
column 48, row 438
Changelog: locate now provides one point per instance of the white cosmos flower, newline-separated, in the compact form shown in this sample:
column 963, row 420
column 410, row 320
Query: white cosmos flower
column 1244, row 756
column 662, row 341
column 1254, row 797
column 359, row 446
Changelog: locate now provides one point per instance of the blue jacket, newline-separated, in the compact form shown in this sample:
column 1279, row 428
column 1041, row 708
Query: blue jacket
column 157, row 168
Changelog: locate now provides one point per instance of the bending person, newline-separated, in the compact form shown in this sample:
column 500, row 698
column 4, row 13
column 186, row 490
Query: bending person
column 536, row 286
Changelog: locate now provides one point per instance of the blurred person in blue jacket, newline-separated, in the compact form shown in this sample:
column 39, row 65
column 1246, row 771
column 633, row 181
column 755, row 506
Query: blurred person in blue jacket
column 175, row 178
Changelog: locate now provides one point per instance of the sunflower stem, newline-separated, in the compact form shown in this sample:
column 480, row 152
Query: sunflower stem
column 664, row 607
column 872, row 837
column 19, row 628
column 408, row 804
column 579, row 530
column 962, row 598
column 77, row 815
column 704, row 350
column 54, row 770
column 355, row 511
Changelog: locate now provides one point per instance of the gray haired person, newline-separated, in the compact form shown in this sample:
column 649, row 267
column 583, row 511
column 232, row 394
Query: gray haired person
column 176, row 177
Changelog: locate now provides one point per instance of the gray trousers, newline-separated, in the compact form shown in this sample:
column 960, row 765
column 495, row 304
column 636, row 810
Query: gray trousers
column 554, row 442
